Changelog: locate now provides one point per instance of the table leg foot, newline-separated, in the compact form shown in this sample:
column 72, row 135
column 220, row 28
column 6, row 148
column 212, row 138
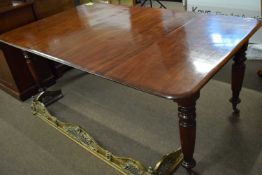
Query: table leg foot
column 49, row 97
column 235, row 102
column 189, row 164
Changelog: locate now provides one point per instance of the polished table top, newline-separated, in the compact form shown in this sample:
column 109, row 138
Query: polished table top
column 162, row 52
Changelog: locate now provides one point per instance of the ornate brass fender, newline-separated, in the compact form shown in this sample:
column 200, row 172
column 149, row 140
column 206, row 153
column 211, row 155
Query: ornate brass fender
column 127, row 166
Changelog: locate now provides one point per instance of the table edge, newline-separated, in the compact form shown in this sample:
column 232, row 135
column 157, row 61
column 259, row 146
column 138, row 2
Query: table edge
column 174, row 97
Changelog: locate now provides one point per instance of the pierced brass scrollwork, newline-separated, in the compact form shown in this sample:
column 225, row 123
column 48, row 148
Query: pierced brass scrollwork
column 126, row 166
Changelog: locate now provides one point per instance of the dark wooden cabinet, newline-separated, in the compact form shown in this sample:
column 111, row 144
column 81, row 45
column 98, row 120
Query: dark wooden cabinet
column 45, row 8
column 5, row 73
column 15, row 77
column 4, row 3
column 16, row 15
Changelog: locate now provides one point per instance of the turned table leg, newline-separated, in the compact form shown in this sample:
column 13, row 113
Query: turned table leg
column 48, row 97
column 33, row 71
column 238, row 71
column 187, row 128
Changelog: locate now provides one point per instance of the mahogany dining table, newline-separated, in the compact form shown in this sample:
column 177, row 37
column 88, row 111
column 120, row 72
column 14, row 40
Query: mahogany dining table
column 161, row 52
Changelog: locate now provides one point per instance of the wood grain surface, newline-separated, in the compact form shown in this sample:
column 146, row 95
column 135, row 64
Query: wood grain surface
column 162, row 52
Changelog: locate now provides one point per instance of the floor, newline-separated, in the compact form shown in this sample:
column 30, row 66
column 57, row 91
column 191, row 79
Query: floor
column 131, row 123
